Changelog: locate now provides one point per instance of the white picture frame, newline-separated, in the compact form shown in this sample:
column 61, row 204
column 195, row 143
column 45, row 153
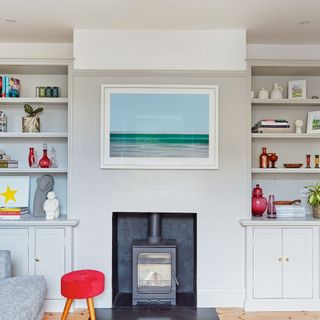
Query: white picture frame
column 159, row 127
column 313, row 125
column 297, row 89
column 14, row 191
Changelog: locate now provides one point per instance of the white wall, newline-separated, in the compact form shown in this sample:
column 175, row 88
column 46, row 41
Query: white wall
column 35, row 50
column 160, row 49
column 283, row 51
column 218, row 196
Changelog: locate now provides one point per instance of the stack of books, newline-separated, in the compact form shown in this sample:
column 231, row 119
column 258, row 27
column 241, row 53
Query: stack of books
column 9, row 87
column 271, row 126
column 8, row 164
column 291, row 211
column 13, row 213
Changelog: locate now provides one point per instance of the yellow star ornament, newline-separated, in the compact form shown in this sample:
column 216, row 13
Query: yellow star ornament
column 9, row 195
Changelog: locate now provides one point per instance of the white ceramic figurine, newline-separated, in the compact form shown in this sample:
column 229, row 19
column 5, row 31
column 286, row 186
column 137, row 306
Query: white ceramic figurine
column 51, row 206
column 299, row 124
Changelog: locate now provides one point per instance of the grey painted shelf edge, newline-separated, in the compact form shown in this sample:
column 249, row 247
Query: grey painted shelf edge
column 40, row 221
column 281, row 222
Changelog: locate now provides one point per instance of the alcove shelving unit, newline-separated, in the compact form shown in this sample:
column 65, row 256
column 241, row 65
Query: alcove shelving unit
column 54, row 122
column 39, row 246
column 284, row 183
column 282, row 255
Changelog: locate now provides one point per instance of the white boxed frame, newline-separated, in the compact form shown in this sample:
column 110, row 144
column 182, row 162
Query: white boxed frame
column 297, row 89
column 159, row 127
column 313, row 122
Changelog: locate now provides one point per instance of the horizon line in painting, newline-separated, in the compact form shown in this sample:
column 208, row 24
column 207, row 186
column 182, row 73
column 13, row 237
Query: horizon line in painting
column 159, row 145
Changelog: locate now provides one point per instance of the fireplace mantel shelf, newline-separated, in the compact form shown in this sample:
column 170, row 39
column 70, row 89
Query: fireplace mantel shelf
column 281, row 222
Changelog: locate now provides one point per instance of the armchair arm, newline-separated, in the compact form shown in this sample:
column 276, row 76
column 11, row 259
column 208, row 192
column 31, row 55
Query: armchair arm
column 5, row 264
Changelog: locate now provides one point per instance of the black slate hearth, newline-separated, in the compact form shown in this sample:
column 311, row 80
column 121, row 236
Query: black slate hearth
column 156, row 313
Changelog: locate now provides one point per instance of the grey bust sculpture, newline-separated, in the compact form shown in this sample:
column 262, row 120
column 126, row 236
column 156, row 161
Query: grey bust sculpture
column 45, row 184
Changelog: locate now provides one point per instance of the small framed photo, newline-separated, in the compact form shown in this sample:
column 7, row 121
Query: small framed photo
column 313, row 122
column 297, row 89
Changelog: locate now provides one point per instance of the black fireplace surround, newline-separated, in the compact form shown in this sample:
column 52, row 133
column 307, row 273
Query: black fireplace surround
column 175, row 235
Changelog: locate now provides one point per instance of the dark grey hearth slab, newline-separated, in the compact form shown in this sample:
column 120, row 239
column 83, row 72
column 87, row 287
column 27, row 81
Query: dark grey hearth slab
column 154, row 313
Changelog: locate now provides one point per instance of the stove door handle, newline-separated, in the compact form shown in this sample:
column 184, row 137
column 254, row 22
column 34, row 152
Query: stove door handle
column 175, row 278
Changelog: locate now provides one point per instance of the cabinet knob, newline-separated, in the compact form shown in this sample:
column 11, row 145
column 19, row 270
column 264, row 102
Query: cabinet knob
column 37, row 259
column 287, row 259
column 280, row 259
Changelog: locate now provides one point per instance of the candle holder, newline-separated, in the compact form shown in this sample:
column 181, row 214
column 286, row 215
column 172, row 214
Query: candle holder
column 316, row 161
column 308, row 158
column 273, row 157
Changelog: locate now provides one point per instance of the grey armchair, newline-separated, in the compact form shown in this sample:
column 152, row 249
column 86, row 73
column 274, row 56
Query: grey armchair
column 21, row 298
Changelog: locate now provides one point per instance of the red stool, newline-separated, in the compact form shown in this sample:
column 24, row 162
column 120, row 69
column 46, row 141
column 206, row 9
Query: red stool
column 81, row 284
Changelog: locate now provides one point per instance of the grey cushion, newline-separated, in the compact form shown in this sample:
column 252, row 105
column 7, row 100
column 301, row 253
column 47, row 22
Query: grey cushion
column 22, row 298
column 5, row 264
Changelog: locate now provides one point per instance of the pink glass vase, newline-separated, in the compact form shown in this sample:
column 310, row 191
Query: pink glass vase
column 259, row 202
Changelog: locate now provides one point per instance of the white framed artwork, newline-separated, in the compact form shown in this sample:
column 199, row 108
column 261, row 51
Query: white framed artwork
column 159, row 127
column 14, row 191
column 313, row 125
column 297, row 89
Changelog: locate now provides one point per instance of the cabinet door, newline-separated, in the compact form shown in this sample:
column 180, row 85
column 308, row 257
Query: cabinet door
column 267, row 263
column 297, row 263
column 50, row 258
column 17, row 241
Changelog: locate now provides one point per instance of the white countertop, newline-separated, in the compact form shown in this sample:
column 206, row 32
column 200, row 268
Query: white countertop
column 283, row 222
column 29, row 220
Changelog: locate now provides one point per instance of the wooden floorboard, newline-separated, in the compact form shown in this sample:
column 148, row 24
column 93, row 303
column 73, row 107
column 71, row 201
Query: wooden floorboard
column 224, row 314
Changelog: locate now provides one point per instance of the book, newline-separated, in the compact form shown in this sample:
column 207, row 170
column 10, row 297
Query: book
column 0, row 86
column 8, row 165
column 273, row 122
column 7, row 86
column 4, row 157
column 3, row 91
column 270, row 130
column 9, row 217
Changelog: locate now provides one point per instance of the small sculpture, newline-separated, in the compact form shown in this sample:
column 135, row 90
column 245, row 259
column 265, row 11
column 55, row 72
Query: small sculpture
column 51, row 206
column 45, row 184
column 299, row 124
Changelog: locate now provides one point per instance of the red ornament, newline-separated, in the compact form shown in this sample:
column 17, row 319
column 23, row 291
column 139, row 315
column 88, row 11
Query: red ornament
column 259, row 202
column 31, row 158
column 44, row 161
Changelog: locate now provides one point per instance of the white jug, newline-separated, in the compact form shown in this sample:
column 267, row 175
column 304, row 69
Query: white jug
column 263, row 94
column 276, row 92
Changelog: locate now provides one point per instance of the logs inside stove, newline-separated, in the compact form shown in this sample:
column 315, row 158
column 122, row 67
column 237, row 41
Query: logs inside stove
column 154, row 267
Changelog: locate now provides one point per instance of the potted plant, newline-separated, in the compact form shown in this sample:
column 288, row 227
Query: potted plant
column 31, row 122
column 314, row 199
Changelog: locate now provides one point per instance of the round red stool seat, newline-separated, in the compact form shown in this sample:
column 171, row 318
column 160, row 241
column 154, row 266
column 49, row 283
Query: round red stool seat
column 82, row 284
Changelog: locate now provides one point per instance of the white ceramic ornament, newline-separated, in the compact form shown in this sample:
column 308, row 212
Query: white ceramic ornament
column 299, row 124
column 51, row 206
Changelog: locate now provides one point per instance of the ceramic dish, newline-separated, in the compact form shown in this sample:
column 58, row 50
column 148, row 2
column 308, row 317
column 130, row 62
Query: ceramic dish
column 293, row 165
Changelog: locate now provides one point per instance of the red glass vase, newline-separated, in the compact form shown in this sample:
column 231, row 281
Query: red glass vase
column 259, row 202
column 44, row 162
column 31, row 158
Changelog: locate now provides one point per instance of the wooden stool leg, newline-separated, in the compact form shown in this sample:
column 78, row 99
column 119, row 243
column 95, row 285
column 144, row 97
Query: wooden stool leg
column 66, row 309
column 91, row 309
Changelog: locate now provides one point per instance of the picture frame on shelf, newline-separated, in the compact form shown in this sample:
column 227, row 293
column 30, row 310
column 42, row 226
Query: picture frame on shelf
column 14, row 191
column 297, row 89
column 313, row 125
column 159, row 127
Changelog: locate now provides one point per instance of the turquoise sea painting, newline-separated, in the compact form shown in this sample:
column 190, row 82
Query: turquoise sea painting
column 159, row 125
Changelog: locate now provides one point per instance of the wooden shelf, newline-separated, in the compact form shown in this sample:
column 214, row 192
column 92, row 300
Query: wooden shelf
column 296, row 102
column 34, row 135
column 34, row 170
column 284, row 136
column 285, row 170
column 37, row 100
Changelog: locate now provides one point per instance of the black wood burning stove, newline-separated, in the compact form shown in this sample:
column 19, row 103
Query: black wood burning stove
column 154, row 267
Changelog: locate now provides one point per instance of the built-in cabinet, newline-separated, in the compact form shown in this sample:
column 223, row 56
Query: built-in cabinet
column 282, row 264
column 39, row 247
column 282, row 255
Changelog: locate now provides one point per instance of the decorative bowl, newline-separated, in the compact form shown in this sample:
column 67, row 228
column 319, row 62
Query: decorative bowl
column 293, row 165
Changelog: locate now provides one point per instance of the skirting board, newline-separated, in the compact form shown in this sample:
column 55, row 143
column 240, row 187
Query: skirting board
column 54, row 305
column 211, row 298
column 283, row 305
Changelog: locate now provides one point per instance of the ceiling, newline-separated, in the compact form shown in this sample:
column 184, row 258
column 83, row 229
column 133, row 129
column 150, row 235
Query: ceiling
column 266, row 21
